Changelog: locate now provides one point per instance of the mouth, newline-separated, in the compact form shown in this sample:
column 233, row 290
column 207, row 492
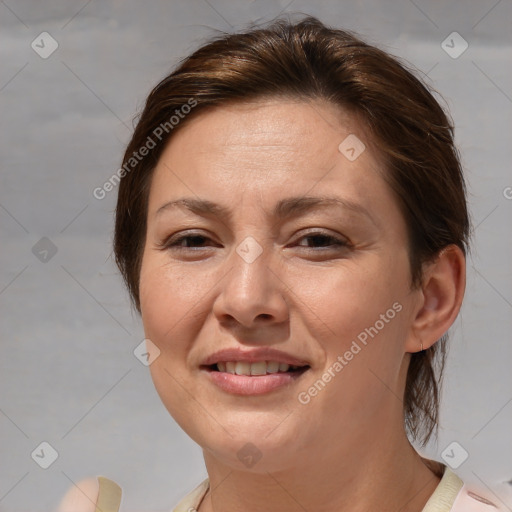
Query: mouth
column 253, row 378
column 255, row 369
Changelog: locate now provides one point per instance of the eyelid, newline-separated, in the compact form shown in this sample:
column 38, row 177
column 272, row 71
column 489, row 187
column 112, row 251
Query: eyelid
column 324, row 232
column 337, row 240
column 174, row 238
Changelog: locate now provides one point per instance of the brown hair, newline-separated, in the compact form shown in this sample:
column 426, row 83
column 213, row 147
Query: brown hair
column 308, row 60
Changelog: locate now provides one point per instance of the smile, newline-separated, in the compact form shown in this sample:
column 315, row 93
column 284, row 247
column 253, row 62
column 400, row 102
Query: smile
column 255, row 378
column 256, row 368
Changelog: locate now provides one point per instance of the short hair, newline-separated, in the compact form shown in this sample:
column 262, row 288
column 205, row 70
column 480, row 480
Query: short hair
column 308, row 60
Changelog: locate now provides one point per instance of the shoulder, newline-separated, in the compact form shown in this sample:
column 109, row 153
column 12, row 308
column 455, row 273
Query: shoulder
column 91, row 494
column 81, row 497
column 100, row 493
column 469, row 501
column 453, row 495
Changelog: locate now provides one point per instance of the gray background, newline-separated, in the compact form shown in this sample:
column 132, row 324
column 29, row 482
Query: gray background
column 68, row 374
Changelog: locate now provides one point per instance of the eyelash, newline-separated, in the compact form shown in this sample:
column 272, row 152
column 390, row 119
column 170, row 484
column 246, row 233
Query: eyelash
column 335, row 242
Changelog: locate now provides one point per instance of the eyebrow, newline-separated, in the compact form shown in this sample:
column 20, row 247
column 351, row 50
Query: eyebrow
column 285, row 208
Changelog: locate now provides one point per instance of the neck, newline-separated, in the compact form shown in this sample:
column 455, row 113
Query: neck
column 328, row 480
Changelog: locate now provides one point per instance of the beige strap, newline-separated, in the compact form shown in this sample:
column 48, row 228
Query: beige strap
column 193, row 499
column 109, row 496
column 445, row 493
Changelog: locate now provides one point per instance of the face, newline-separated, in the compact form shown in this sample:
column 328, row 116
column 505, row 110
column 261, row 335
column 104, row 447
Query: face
column 267, row 240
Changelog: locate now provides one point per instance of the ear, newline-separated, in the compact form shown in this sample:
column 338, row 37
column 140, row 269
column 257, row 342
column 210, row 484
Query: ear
column 440, row 298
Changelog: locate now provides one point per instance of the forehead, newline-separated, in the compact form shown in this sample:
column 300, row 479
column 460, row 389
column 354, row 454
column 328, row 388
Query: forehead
column 269, row 149
column 273, row 126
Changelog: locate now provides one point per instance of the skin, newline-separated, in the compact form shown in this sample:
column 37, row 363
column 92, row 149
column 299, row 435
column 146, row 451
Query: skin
column 82, row 497
column 346, row 449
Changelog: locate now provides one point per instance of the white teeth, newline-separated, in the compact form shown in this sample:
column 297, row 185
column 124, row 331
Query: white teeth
column 257, row 368
column 243, row 368
column 272, row 366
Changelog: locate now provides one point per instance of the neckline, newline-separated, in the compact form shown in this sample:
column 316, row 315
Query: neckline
column 441, row 499
column 444, row 495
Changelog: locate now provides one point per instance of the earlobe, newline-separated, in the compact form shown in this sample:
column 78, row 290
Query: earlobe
column 442, row 292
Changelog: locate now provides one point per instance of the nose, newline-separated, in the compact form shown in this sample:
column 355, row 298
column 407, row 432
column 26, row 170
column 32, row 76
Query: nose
column 252, row 291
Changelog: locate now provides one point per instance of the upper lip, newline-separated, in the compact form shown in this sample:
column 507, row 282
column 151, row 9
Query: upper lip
column 253, row 356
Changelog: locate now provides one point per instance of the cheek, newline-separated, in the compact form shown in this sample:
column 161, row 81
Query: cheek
column 169, row 300
column 344, row 302
column 167, row 297
column 335, row 304
column 359, row 318
column 165, row 300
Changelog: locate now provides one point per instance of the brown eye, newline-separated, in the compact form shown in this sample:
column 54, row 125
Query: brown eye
column 322, row 241
column 191, row 241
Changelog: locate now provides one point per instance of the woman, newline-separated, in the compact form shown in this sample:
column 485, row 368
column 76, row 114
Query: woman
column 292, row 226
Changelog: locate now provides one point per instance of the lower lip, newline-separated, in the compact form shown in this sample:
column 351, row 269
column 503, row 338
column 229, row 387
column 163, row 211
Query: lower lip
column 252, row 385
